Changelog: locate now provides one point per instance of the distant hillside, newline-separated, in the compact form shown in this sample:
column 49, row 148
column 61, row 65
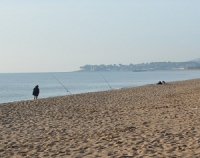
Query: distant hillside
column 196, row 60
column 193, row 64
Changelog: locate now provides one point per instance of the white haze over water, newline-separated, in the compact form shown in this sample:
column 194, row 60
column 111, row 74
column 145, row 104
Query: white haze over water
column 61, row 36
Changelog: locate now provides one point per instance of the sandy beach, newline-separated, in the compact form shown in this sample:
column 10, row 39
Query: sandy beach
column 158, row 121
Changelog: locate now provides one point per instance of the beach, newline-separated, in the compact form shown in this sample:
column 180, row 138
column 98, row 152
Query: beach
column 147, row 121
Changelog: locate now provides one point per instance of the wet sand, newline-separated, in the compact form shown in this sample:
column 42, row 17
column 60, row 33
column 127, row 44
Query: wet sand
column 148, row 121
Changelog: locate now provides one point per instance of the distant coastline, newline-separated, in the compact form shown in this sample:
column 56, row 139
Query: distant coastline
column 153, row 66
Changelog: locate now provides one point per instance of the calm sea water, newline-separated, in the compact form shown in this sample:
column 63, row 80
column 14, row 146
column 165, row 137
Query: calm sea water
column 19, row 86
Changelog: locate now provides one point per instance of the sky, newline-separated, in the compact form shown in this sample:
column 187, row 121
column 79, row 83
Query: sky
column 63, row 35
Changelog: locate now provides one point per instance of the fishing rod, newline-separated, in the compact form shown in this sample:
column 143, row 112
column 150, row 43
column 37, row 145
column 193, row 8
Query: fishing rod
column 106, row 81
column 61, row 84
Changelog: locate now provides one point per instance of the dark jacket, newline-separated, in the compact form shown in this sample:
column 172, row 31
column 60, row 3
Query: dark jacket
column 36, row 91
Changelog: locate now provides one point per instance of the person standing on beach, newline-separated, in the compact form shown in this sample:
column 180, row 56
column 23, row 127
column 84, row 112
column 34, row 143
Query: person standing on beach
column 36, row 92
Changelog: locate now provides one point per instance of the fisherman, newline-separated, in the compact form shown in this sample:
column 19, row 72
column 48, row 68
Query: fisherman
column 163, row 82
column 36, row 92
column 159, row 82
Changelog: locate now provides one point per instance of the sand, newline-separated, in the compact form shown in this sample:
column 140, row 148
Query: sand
column 148, row 121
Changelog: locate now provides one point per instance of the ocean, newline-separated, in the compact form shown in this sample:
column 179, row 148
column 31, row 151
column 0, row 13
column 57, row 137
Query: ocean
column 19, row 86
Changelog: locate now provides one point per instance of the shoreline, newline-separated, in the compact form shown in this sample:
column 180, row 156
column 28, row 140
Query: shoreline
column 51, row 88
column 93, row 92
column 150, row 120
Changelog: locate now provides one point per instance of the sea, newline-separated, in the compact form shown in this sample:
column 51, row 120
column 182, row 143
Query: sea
column 19, row 86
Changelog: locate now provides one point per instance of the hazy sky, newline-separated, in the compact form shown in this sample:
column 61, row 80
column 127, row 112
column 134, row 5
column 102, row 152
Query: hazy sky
column 62, row 35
